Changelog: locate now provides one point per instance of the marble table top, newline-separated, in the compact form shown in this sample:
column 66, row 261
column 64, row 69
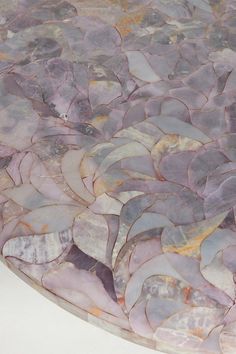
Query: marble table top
column 118, row 164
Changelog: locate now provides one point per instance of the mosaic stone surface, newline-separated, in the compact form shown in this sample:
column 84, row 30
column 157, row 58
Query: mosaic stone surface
column 118, row 164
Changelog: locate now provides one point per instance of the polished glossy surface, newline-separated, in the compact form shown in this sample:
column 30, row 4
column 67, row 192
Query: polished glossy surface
column 118, row 164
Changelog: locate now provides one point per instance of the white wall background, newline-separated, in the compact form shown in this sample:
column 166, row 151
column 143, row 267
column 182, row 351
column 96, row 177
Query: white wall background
column 31, row 324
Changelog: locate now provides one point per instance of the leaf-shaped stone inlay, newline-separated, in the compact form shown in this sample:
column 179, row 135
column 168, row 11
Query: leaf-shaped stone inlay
column 38, row 248
column 140, row 68
column 118, row 164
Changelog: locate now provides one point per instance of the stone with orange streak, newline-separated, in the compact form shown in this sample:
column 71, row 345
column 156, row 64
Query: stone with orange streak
column 99, row 121
column 121, row 300
column 28, row 228
column 198, row 332
column 101, row 185
column 6, row 57
column 194, row 236
column 95, row 311
column 44, row 229
column 186, row 293
column 125, row 24
column 172, row 143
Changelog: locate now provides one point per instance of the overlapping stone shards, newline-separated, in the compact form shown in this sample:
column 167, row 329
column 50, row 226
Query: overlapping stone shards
column 118, row 163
